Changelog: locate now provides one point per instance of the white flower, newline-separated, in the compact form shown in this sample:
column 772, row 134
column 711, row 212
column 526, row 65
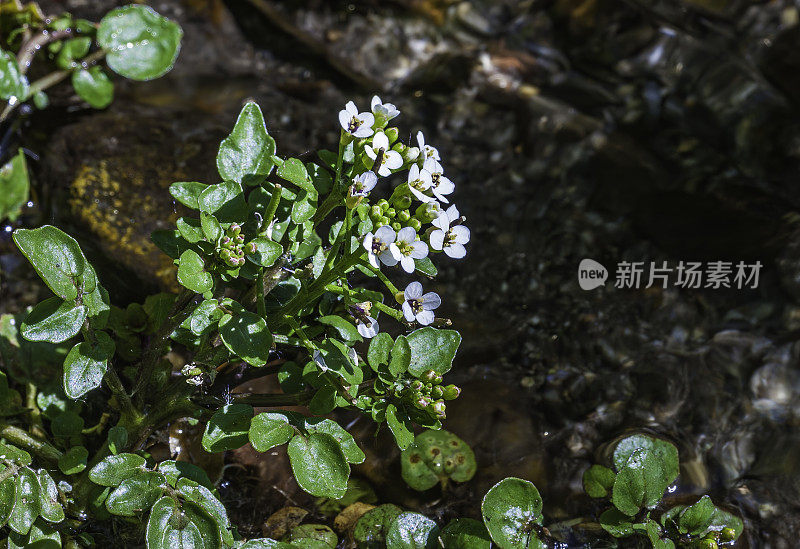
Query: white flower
column 419, row 307
column 387, row 111
column 364, row 183
column 449, row 238
column 407, row 248
column 368, row 329
column 355, row 123
column 378, row 246
column 440, row 185
column 426, row 150
column 390, row 160
column 419, row 181
column 367, row 325
column 431, row 210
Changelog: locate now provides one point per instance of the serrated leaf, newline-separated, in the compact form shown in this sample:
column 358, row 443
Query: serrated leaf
column 140, row 44
column 245, row 156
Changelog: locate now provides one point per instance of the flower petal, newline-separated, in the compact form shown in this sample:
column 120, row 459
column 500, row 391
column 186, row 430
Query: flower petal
column 437, row 239
column 376, row 101
column 419, row 249
column 351, row 108
column 407, row 312
column 431, row 301
column 363, row 131
column 421, row 141
column 344, row 119
column 385, row 234
column 456, row 251
column 461, row 234
column 393, row 159
column 413, row 291
column 368, row 241
column 407, row 264
column 407, row 234
column 452, row 212
column 368, row 330
column 425, row 317
column 373, row 260
column 442, row 221
column 380, row 141
column 395, row 253
column 370, row 152
column 388, row 258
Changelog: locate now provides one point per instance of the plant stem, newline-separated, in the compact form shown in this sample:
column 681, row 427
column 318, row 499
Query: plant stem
column 35, row 414
column 24, row 440
column 272, row 207
column 336, row 195
column 383, row 278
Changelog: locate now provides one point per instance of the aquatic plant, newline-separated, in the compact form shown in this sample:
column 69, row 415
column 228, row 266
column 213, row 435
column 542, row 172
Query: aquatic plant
column 134, row 42
column 286, row 268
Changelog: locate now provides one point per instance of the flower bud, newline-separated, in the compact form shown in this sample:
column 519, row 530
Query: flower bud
column 225, row 240
column 225, row 254
column 451, row 392
column 728, row 534
column 439, row 408
column 428, row 375
column 375, row 212
column 437, row 392
column 708, row 544
column 397, row 225
column 402, row 202
column 415, row 223
column 352, row 202
column 403, row 216
column 235, row 228
column 391, row 213
column 422, row 402
column 383, row 204
column 251, row 247
column 416, row 385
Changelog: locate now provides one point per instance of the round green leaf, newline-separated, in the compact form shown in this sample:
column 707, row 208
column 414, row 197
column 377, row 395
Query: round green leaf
column 187, row 193
column 192, row 274
column 86, row 364
column 267, row 252
column 628, row 493
column 379, row 349
column 347, row 443
column 228, row 428
column 12, row 82
column 140, row 44
column 412, row 531
column 93, row 86
column 136, row 494
column 7, row 492
column 598, row 481
column 465, row 533
column 370, row 530
column 207, row 501
column 184, row 527
column 319, row 465
column 114, row 469
column 49, row 507
column 26, row 507
column 15, row 183
column 400, row 425
column 53, row 320
column 246, row 335
column 512, row 511
column 12, row 453
column 245, row 156
column 56, row 257
column 304, row 534
column 268, row 430
column 432, row 349
column 616, row 523
column 666, row 451
column 224, row 200
column 74, row 460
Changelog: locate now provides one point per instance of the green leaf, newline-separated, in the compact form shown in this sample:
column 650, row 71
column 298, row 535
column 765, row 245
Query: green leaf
column 228, row 428
column 14, row 187
column 313, row 536
column 666, row 451
column 335, row 355
column 400, row 426
column 401, row 356
column 86, row 364
column 346, row 442
column 12, row 453
column 93, row 86
column 72, row 50
column 268, row 430
column 432, row 349
column 412, row 531
column 192, row 274
column 114, row 469
column 293, row 171
column 211, row 227
column 319, row 465
column 224, row 200
column 598, row 481
column 616, row 523
column 68, row 424
column 41, row 536
column 415, row 470
column 12, row 82
column 180, row 527
column 303, row 207
column 426, row 267
column 324, row 400
column 53, row 320
column 56, row 257
column 7, row 492
column 628, row 493
column 370, row 530
column 379, row 349
column 117, row 439
column 511, row 510
column 74, row 460
column 267, row 251
column 188, row 193
column 246, row 335
column 140, row 44
column 204, row 318
column 136, row 494
column 175, row 470
column 205, row 500
column 190, row 229
column 26, row 507
column 245, row 156
column 696, row 519
column 344, row 328
column 49, row 507
column 465, row 533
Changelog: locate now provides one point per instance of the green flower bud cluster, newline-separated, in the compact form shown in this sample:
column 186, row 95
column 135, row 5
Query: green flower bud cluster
column 396, row 213
column 713, row 539
column 232, row 248
column 427, row 393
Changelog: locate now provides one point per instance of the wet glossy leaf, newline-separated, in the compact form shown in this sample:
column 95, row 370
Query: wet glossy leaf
column 511, row 510
column 379, row 349
column 190, row 229
column 225, row 201
column 343, row 327
column 68, row 424
column 53, row 320
column 268, row 430
column 303, row 207
column 188, row 193
column 245, row 156
column 41, row 536
column 401, row 356
column 665, row 451
column 426, row 267
column 267, row 251
column 319, row 465
column 313, row 536
column 72, row 50
column 14, row 187
column 246, row 335
column 347, row 443
column 74, row 460
column 86, row 364
column 93, row 86
column 171, row 526
column 212, row 230
column 7, row 492
column 12, row 82
column 228, row 428
column 337, row 360
column 294, row 171
column 628, row 494
column 598, row 481
column 117, row 439
column 400, row 426
column 412, row 531
column 141, row 44
column 208, row 502
column 192, row 274
column 175, row 470
column 56, row 257
column 432, row 349
column 114, row 469
column 26, row 507
column 465, row 533
column 696, row 519
column 136, row 494
column 12, row 453
column 616, row 523
column 204, row 317
column 436, row 455
column 370, row 530
column 49, row 507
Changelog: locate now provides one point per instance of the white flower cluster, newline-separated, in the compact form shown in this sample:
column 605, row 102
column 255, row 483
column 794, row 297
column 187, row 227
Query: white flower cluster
column 427, row 183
